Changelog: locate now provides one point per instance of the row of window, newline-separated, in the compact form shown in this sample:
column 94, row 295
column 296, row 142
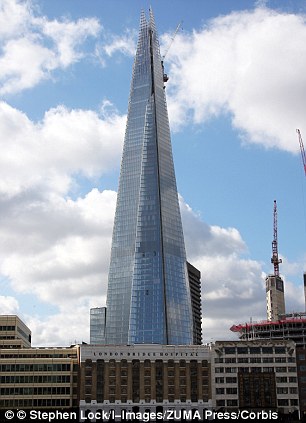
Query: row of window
column 254, row 350
column 228, row 391
column 41, row 367
column 45, row 390
column 31, row 354
column 234, row 402
column 272, row 359
column 7, row 327
column 281, row 379
column 35, row 402
column 291, row 369
column 276, row 369
column 37, row 379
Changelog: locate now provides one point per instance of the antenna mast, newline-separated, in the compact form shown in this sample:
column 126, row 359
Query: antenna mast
column 275, row 260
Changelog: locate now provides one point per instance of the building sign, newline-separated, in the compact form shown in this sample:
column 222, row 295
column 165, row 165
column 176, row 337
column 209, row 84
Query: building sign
column 154, row 352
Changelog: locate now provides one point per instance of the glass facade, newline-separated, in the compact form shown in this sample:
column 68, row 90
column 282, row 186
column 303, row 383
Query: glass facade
column 97, row 325
column 148, row 299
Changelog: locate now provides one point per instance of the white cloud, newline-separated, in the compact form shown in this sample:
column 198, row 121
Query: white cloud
column 112, row 44
column 68, row 36
column 248, row 65
column 124, row 44
column 8, row 305
column 232, row 285
column 48, row 153
column 62, row 260
column 14, row 17
column 33, row 46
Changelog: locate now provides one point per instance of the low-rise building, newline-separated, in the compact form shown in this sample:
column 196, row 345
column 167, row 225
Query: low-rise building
column 144, row 377
column 39, row 377
column 255, row 375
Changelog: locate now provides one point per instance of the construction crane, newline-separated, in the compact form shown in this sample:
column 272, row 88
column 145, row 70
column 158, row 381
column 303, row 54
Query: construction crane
column 275, row 260
column 166, row 77
column 302, row 149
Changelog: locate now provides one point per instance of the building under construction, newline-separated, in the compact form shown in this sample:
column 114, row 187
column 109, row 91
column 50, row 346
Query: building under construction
column 274, row 283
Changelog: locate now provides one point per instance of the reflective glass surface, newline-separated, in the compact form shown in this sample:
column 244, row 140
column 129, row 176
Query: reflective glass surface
column 148, row 299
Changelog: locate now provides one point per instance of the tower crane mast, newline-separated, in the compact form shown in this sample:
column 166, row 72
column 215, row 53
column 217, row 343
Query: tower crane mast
column 302, row 149
column 166, row 78
column 275, row 260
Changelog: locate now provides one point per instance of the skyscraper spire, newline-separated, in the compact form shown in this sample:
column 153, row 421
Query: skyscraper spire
column 148, row 299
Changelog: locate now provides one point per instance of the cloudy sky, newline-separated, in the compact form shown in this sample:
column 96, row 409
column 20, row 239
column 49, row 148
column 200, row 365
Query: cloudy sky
column 236, row 94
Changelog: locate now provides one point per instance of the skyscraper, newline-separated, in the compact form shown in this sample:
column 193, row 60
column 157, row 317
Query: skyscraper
column 148, row 298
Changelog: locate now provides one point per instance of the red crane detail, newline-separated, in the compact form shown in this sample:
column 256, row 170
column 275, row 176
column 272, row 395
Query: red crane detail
column 275, row 260
column 302, row 149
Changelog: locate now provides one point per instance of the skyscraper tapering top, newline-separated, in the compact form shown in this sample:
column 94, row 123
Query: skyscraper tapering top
column 148, row 298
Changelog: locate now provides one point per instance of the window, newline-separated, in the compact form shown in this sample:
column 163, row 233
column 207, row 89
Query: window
column 255, row 360
column 220, row 403
column 219, row 391
column 242, row 350
column 232, row 403
column 231, row 370
column 283, row 402
column 267, row 360
column 231, row 380
column 280, row 369
column 282, row 390
column 255, row 350
column 230, row 360
column 229, row 350
column 243, row 360
column 231, row 391
column 219, row 370
column 267, row 350
column 280, row 350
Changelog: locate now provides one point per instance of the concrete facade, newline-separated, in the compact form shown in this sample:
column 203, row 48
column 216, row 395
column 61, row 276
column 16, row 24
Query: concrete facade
column 148, row 377
column 39, row 378
column 255, row 374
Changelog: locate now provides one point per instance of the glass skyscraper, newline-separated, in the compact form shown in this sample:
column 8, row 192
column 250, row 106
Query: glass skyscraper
column 148, row 298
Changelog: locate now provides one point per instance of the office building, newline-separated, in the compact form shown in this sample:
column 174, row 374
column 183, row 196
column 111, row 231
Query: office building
column 35, row 377
column 255, row 375
column 148, row 298
column 97, row 325
column 14, row 333
column 194, row 276
column 126, row 378
column 289, row 327
column 39, row 378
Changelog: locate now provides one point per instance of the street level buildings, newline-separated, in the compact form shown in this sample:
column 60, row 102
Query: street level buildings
column 148, row 297
column 144, row 377
column 39, row 378
column 255, row 375
column 289, row 327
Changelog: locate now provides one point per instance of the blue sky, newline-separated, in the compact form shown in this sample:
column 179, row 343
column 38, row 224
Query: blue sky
column 236, row 94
